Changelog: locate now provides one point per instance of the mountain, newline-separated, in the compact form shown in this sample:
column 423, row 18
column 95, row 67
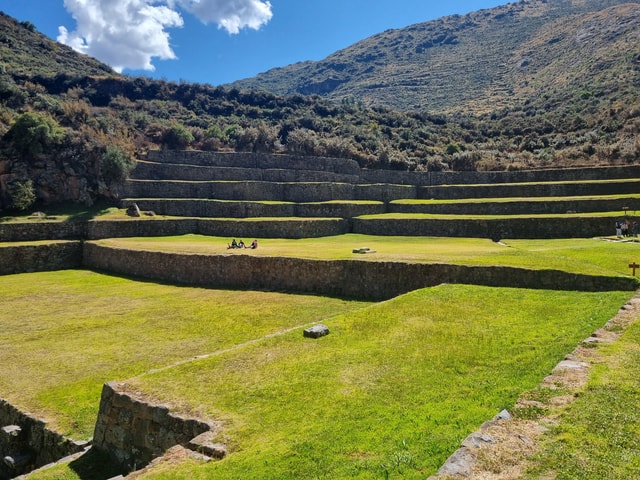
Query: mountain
column 27, row 52
column 529, row 85
column 477, row 62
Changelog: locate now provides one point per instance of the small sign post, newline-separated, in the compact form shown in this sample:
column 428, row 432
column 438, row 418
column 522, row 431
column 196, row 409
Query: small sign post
column 634, row 266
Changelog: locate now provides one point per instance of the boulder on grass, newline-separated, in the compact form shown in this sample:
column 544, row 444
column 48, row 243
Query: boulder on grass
column 316, row 331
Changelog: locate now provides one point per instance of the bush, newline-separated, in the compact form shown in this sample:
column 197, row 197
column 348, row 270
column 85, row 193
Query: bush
column 116, row 165
column 177, row 137
column 32, row 133
column 23, row 195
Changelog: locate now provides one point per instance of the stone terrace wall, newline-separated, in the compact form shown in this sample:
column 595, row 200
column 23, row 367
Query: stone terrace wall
column 43, row 230
column 345, row 278
column 60, row 255
column 495, row 229
column 254, row 160
column 133, row 431
column 346, row 166
column 150, row 227
column 33, row 444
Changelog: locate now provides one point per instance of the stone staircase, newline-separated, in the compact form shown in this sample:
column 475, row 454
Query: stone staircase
column 259, row 186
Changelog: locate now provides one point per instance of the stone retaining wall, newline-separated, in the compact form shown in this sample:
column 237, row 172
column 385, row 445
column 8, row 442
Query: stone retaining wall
column 58, row 255
column 350, row 167
column 241, row 209
column 31, row 444
column 254, row 160
column 344, row 278
column 42, row 230
column 519, row 207
column 495, row 229
column 133, row 431
column 503, row 190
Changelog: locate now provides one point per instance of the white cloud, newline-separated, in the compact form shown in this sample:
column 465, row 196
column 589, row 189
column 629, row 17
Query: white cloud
column 130, row 33
column 232, row 15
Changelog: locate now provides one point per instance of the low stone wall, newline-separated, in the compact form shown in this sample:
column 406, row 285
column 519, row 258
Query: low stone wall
column 31, row 444
column 345, row 278
column 132, row 431
column 517, row 207
column 58, row 255
column 163, row 171
column 495, row 229
column 255, row 160
column 42, row 230
column 504, row 190
column 241, row 209
column 350, row 167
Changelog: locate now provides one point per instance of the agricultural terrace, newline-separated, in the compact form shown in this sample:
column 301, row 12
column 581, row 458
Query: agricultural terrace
column 390, row 393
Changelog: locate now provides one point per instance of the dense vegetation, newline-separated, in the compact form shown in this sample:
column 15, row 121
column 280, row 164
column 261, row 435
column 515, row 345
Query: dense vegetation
column 56, row 126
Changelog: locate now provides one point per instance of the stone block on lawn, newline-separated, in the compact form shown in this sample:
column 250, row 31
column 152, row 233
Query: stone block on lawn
column 316, row 331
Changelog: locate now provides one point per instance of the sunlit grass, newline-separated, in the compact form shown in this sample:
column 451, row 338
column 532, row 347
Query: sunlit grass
column 390, row 392
column 599, row 435
column 590, row 256
column 66, row 333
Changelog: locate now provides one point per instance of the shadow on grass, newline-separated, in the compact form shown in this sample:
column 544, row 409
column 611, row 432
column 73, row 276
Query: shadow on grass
column 67, row 212
column 95, row 465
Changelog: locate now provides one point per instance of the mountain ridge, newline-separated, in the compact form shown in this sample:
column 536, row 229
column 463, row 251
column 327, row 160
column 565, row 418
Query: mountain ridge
column 442, row 65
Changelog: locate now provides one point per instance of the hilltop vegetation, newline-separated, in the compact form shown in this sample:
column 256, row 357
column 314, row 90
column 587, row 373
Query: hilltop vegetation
column 564, row 97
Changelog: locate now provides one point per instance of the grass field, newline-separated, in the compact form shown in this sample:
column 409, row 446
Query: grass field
column 590, row 256
column 390, row 393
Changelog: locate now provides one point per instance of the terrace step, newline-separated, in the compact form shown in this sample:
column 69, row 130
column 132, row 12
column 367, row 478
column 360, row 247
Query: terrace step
column 543, row 189
column 146, row 170
column 190, row 207
column 530, row 206
column 301, row 192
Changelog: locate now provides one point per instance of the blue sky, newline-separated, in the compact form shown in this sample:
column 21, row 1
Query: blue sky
column 219, row 41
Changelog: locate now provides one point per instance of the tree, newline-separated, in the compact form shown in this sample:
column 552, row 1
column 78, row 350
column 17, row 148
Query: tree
column 116, row 165
column 32, row 133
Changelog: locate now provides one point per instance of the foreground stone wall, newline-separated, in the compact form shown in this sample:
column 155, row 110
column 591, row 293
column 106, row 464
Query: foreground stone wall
column 31, row 444
column 58, row 255
column 133, row 431
column 345, row 278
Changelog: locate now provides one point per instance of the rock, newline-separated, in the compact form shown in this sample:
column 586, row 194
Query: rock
column 133, row 210
column 460, row 464
column 316, row 331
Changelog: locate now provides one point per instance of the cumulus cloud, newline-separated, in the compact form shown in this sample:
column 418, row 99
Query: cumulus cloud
column 130, row 33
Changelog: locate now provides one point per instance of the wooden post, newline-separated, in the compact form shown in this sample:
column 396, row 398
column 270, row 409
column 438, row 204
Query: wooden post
column 634, row 266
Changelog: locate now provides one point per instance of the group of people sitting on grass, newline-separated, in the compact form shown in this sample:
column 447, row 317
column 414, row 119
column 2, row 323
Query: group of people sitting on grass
column 241, row 244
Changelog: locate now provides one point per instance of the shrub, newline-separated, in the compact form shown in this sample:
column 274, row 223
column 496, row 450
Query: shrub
column 116, row 165
column 32, row 133
column 177, row 137
column 23, row 195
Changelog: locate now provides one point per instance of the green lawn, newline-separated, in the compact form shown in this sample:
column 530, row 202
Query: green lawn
column 599, row 434
column 590, row 256
column 66, row 333
column 390, row 393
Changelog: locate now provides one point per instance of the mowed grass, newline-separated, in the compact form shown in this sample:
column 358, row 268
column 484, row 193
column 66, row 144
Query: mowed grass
column 589, row 256
column 390, row 393
column 64, row 334
column 599, row 434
